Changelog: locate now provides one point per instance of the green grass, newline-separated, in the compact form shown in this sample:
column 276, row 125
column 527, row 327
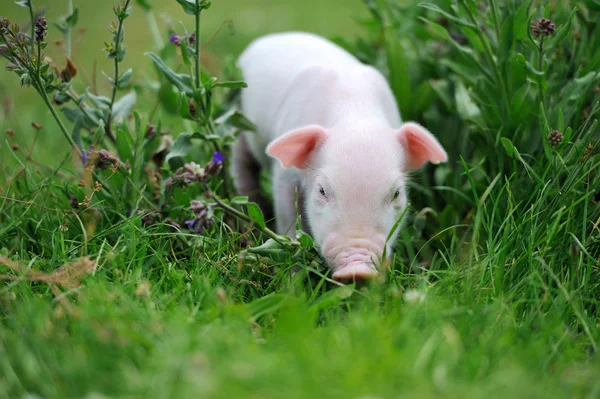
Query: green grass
column 494, row 290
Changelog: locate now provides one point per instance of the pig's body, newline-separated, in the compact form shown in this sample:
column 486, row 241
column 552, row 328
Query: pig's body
column 332, row 128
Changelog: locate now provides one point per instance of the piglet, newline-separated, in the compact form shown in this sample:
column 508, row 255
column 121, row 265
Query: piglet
column 330, row 126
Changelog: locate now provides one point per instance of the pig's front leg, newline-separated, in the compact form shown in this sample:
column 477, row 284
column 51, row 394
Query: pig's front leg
column 285, row 182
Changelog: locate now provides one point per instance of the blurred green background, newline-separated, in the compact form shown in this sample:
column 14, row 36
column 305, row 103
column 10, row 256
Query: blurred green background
column 241, row 22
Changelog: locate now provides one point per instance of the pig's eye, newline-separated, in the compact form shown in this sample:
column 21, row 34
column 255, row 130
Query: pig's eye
column 322, row 191
column 396, row 194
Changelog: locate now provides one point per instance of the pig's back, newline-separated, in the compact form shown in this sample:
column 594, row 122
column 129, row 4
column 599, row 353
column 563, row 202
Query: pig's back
column 283, row 65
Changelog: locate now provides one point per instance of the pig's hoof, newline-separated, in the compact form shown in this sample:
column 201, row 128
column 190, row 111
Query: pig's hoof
column 355, row 271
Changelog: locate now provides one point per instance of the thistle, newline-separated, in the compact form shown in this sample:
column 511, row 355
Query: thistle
column 542, row 27
column 555, row 138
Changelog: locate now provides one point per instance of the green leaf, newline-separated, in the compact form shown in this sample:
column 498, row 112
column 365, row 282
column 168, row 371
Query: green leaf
column 561, row 33
column 189, row 6
column 273, row 250
column 561, row 121
column 266, row 305
column 231, row 85
column 122, row 108
column 506, row 39
column 331, row 298
column 99, row 101
column 465, row 106
column 76, row 135
column 305, row 240
column 181, row 81
column 568, row 134
column 239, row 200
column 256, row 214
column 145, row 4
column 73, row 18
column 123, row 81
column 180, row 148
column 520, row 25
column 125, row 145
column 528, row 67
column 235, row 118
column 168, row 96
column 73, row 113
column 183, row 106
column 508, row 146
column 448, row 16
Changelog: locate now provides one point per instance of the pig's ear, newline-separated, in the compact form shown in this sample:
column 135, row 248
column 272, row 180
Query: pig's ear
column 420, row 145
column 294, row 148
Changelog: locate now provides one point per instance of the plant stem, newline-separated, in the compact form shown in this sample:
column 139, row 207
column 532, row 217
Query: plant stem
column 59, row 122
column 107, row 128
column 68, row 30
column 540, row 68
column 197, row 46
column 39, row 60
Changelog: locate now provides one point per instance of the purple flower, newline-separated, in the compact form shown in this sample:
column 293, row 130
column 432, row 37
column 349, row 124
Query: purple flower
column 41, row 28
column 85, row 155
column 218, row 157
column 175, row 39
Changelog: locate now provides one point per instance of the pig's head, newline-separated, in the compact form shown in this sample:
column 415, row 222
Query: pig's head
column 354, row 187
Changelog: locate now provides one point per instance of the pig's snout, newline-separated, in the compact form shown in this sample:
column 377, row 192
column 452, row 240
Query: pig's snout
column 353, row 258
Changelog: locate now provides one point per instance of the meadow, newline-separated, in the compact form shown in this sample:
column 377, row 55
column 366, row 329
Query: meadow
column 129, row 268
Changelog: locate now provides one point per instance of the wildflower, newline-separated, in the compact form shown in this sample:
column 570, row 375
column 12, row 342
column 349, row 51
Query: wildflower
column 218, row 157
column 106, row 160
column 150, row 131
column 175, row 39
column 192, row 38
column 542, row 27
column 201, row 219
column 37, row 126
column 15, row 147
column 10, row 132
column 190, row 173
column 216, row 163
column 555, row 138
column 41, row 29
